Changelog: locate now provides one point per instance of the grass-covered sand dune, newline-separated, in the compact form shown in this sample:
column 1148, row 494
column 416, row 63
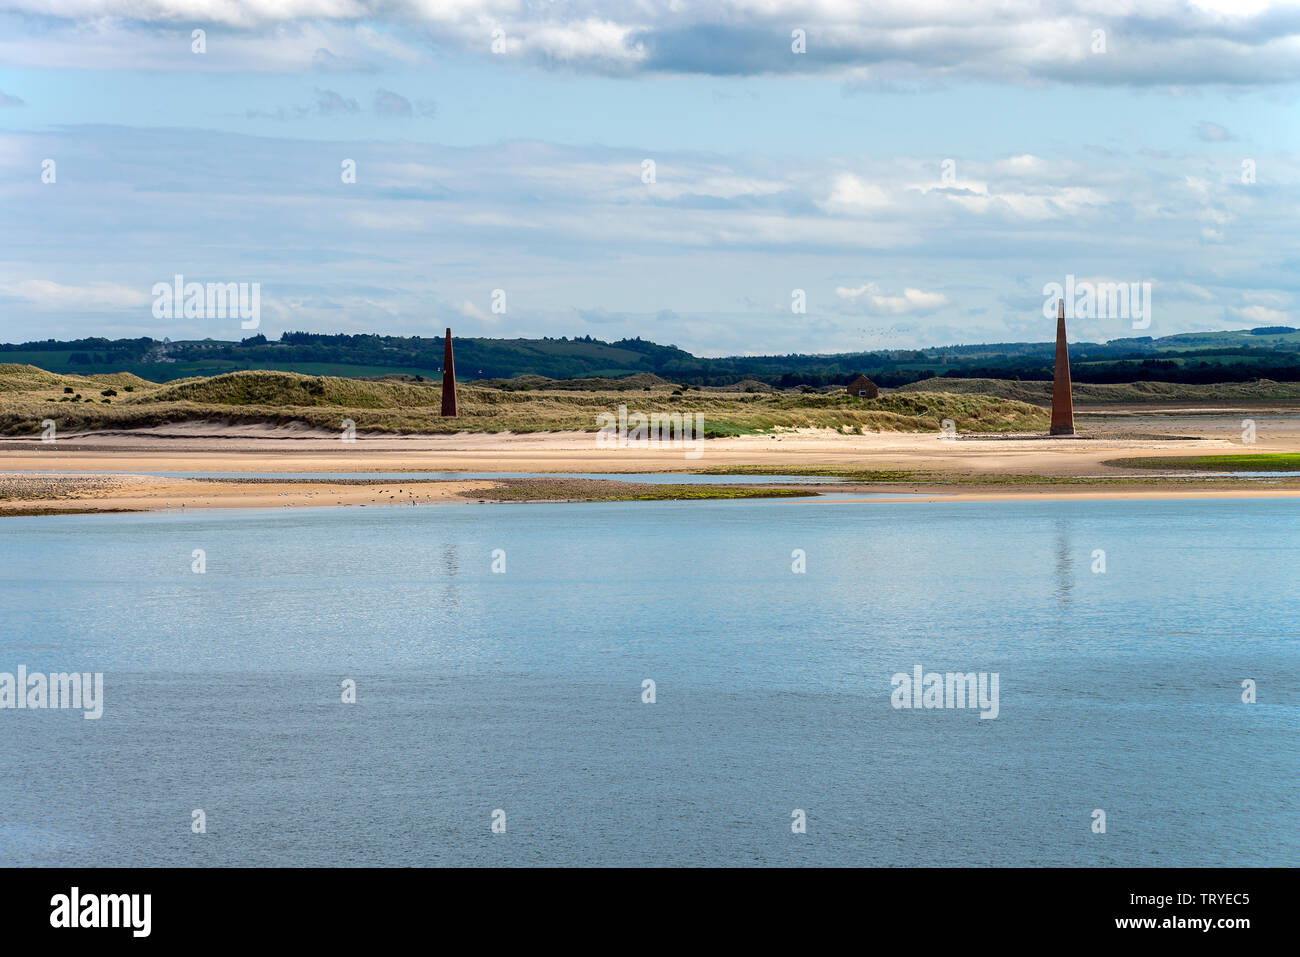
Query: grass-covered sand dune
column 122, row 401
column 1086, row 393
column 30, row 379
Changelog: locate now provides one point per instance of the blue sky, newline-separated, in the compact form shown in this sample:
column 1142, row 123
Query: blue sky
column 522, row 170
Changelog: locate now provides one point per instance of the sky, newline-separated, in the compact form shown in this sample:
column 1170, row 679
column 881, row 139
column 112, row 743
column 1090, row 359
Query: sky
column 732, row 177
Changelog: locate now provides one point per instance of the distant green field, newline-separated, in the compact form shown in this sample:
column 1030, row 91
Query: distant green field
column 1209, row 356
column 1252, row 462
column 1233, row 338
column 50, row 361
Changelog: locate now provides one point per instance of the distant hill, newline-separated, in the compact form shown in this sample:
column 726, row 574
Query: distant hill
column 1242, row 355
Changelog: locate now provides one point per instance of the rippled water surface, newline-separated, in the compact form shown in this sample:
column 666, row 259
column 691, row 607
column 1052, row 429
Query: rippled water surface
column 522, row 690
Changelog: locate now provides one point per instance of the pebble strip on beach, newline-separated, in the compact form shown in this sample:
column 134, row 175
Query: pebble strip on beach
column 33, row 488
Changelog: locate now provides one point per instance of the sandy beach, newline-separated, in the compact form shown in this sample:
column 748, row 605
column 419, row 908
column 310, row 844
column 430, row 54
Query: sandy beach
column 200, row 446
column 140, row 493
column 991, row 467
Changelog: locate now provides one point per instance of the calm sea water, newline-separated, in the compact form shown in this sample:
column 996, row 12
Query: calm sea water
column 521, row 691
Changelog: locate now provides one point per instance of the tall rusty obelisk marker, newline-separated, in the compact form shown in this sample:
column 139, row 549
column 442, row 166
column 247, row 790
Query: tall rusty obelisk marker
column 449, row 379
column 1062, row 400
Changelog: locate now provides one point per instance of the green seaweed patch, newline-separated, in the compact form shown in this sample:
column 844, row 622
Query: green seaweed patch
column 847, row 473
column 1247, row 462
column 605, row 490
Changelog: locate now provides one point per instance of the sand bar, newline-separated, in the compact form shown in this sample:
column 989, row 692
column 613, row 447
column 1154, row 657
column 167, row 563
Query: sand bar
column 1004, row 459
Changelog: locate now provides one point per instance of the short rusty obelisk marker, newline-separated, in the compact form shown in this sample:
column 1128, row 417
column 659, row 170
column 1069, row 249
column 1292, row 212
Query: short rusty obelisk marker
column 1062, row 400
column 449, row 379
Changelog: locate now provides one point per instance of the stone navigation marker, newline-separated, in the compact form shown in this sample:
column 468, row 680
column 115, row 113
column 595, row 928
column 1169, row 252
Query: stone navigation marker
column 449, row 380
column 1062, row 401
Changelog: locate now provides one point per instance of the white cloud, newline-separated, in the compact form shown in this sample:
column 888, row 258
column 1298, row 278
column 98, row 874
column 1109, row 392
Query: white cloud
column 470, row 310
column 430, row 230
column 911, row 301
column 1262, row 315
column 1054, row 203
column 45, row 294
column 590, row 39
column 852, row 194
column 1174, row 43
column 128, row 43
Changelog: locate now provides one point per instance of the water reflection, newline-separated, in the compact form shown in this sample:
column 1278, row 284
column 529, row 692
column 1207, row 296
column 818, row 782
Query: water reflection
column 450, row 570
column 1064, row 563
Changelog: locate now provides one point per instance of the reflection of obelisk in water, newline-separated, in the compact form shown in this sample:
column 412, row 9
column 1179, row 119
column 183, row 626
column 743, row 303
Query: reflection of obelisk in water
column 1062, row 403
column 449, row 379
column 1064, row 562
column 451, row 564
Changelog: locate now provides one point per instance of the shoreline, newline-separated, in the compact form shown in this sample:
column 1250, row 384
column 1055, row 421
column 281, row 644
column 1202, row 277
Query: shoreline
column 112, row 471
column 272, row 450
column 104, row 494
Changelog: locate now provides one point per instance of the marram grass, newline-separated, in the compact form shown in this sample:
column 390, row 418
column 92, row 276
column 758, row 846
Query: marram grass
column 29, row 395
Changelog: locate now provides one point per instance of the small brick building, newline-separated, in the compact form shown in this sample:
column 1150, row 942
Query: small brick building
column 862, row 388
